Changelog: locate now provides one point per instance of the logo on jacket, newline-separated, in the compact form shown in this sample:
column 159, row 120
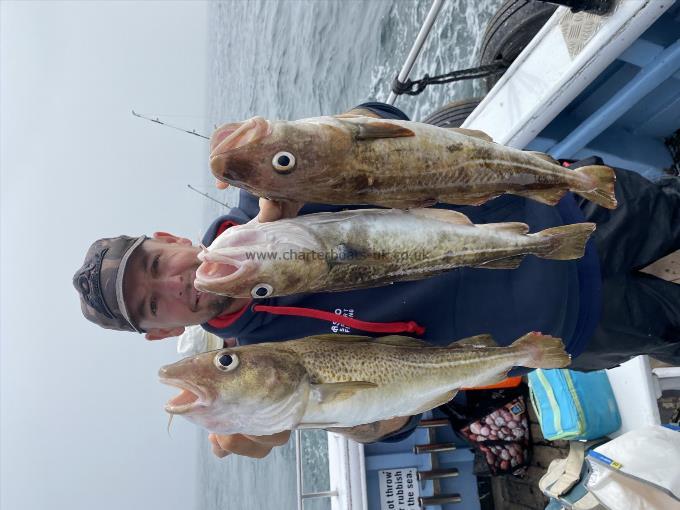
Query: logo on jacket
column 341, row 328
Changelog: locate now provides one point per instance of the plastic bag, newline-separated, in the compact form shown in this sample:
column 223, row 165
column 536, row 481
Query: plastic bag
column 639, row 470
column 195, row 340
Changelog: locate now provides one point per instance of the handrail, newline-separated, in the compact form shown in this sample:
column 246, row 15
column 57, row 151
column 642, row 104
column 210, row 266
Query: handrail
column 301, row 496
column 417, row 45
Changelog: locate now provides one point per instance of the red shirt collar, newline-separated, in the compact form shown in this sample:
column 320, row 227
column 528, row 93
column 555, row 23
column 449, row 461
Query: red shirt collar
column 228, row 318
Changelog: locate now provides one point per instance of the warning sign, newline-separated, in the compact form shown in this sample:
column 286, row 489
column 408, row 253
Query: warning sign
column 399, row 489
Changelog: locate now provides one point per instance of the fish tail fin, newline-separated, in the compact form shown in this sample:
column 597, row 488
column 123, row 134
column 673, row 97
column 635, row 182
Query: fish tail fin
column 602, row 179
column 567, row 242
column 543, row 351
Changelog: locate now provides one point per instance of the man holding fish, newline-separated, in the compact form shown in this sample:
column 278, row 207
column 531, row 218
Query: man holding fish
column 590, row 295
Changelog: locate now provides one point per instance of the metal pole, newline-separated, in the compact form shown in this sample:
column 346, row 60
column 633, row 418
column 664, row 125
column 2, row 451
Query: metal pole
column 324, row 494
column 418, row 45
column 433, row 423
column 437, row 474
column 444, row 499
column 434, row 448
column 298, row 464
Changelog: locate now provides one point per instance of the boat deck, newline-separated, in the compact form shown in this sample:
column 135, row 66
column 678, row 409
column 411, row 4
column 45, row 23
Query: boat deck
column 511, row 493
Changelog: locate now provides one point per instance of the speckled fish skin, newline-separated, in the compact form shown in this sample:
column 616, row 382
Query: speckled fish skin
column 368, row 248
column 362, row 160
column 340, row 380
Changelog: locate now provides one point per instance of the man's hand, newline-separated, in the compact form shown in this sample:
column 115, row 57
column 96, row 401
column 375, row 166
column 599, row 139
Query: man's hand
column 272, row 210
column 260, row 446
column 249, row 446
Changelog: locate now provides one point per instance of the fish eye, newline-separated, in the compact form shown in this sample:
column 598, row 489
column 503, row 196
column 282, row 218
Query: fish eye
column 226, row 362
column 283, row 162
column 262, row 290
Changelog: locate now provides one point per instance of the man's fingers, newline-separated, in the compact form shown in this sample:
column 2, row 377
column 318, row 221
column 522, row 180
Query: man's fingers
column 216, row 448
column 277, row 439
column 272, row 210
column 219, row 452
column 238, row 444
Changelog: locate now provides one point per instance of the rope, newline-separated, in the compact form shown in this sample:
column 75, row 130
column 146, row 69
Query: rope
column 415, row 87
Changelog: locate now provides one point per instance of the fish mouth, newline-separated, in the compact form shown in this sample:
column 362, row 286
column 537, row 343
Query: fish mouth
column 190, row 398
column 230, row 259
column 221, row 270
column 238, row 134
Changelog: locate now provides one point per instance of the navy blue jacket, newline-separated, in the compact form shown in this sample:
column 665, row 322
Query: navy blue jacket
column 561, row 298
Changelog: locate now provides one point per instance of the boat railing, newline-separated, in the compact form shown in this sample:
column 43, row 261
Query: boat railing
column 417, row 45
column 301, row 495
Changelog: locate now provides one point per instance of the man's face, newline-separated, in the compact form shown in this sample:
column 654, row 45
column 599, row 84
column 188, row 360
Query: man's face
column 159, row 287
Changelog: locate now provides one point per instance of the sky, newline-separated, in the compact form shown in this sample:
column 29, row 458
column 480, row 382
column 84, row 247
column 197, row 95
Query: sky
column 81, row 408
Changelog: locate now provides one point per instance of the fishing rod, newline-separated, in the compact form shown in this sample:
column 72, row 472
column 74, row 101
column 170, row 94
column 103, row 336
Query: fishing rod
column 158, row 121
column 207, row 196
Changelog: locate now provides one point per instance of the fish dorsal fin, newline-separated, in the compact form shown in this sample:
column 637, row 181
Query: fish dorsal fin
column 544, row 196
column 405, row 341
column 366, row 128
column 340, row 338
column 506, row 263
column 512, row 227
column 442, row 215
column 475, row 341
column 544, row 157
column 402, row 341
column 329, row 392
column 474, row 133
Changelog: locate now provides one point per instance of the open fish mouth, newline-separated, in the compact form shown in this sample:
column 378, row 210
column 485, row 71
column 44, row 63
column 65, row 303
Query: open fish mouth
column 188, row 399
column 222, row 270
column 238, row 134
column 234, row 259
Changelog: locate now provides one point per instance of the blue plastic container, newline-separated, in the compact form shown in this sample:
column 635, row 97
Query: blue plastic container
column 573, row 405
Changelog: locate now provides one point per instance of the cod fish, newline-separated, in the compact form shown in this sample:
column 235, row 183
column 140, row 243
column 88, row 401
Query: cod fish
column 351, row 159
column 340, row 380
column 368, row 248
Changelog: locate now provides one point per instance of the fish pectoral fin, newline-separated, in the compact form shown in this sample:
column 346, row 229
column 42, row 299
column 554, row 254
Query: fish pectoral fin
column 508, row 263
column 329, row 392
column 511, row 227
column 442, row 215
column 474, row 133
column 497, row 378
column 436, row 402
column 544, row 196
column 544, row 157
column 475, row 341
column 402, row 341
column 364, row 129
